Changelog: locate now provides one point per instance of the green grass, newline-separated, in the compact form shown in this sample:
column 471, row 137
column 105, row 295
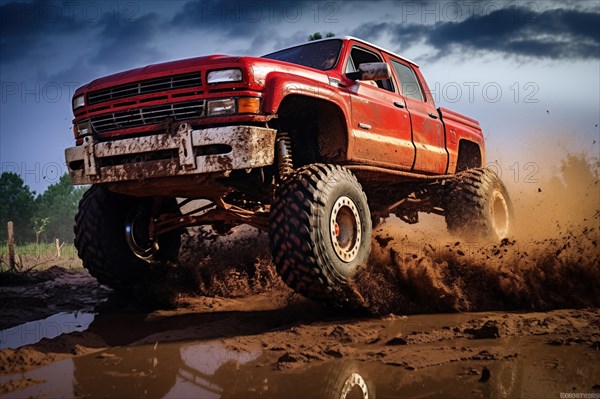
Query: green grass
column 41, row 256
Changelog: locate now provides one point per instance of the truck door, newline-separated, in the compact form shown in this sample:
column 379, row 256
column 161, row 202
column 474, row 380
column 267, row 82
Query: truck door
column 427, row 129
column 380, row 121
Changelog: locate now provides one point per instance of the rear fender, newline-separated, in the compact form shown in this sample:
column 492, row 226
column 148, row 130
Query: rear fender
column 457, row 128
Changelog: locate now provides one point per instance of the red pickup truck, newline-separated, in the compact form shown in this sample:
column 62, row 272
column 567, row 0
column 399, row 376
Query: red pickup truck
column 315, row 144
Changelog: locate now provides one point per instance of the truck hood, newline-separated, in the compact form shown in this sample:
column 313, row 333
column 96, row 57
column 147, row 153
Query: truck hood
column 261, row 67
column 150, row 71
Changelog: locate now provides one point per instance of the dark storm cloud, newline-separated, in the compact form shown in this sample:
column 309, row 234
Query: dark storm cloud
column 404, row 34
column 22, row 25
column 207, row 15
column 117, row 39
column 556, row 33
column 256, row 21
column 239, row 18
column 127, row 42
column 371, row 30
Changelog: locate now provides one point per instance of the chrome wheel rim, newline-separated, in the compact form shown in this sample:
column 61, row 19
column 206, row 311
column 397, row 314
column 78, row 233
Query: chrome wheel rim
column 137, row 235
column 355, row 380
column 345, row 229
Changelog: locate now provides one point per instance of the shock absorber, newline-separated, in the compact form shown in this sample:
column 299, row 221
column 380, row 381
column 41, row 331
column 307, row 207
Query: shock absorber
column 283, row 148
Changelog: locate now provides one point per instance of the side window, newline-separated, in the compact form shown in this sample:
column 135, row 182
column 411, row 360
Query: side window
column 408, row 81
column 359, row 56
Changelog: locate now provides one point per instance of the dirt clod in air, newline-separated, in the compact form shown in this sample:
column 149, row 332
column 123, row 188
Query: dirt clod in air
column 551, row 261
column 541, row 274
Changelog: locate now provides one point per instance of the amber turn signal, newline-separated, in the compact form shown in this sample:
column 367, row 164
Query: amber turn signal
column 248, row 105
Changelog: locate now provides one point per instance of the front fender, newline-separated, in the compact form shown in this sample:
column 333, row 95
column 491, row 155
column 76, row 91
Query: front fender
column 279, row 85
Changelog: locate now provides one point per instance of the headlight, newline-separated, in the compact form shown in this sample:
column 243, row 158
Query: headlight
column 224, row 75
column 78, row 101
column 222, row 106
column 83, row 128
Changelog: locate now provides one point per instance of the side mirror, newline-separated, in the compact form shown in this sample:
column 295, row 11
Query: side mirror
column 371, row 71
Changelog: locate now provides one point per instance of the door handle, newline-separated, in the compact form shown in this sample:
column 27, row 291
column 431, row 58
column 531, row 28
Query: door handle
column 399, row 104
column 432, row 115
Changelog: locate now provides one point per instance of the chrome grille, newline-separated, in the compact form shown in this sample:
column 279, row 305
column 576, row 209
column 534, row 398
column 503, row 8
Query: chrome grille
column 144, row 87
column 147, row 116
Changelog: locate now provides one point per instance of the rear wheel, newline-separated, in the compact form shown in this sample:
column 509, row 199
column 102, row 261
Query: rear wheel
column 320, row 230
column 478, row 206
column 113, row 237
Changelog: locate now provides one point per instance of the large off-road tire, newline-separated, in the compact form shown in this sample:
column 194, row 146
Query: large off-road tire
column 107, row 227
column 320, row 230
column 478, row 206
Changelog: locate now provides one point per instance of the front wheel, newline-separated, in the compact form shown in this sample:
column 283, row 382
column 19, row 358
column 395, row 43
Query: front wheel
column 112, row 237
column 320, row 230
column 478, row 206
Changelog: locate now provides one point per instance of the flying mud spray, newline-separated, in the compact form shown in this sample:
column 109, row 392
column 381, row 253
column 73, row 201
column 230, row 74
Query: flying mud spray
column 551, row 259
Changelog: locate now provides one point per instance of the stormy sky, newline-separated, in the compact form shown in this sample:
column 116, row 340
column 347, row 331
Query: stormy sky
column 528, row 71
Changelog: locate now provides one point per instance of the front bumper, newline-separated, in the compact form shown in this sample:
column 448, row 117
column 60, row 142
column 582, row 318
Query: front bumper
column 187, row 152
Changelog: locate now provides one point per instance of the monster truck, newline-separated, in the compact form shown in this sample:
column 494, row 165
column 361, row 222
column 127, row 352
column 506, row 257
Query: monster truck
column 314, row 144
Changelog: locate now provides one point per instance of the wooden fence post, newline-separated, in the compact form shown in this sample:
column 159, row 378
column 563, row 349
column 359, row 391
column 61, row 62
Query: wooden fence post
column 11, row 247
column 57, row 241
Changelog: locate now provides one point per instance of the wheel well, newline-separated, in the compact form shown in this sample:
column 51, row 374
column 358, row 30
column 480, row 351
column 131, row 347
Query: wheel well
column 317, row 129
column 469, row 156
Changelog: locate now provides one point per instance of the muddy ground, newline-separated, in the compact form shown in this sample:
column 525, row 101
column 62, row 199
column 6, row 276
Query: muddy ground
column 432, row 317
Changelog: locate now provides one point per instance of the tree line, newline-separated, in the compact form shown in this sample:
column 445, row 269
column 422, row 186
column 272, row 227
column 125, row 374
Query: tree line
column 319, row 36
column 38, row 218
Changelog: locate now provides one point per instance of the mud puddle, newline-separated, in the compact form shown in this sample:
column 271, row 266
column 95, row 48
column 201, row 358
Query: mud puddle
column 531, row 365
column 172, row 369
column 50, row 327
column 45, row 293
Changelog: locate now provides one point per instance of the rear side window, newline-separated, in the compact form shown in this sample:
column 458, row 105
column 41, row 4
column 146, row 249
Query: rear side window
column 408, row 81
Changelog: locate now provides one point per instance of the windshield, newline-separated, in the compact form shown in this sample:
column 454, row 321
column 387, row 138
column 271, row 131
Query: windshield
column 321, row 55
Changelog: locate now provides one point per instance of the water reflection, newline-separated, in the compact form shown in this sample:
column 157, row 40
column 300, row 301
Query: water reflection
column 204, row 370
column 50, row 327
column 57, row 381
column 209, row 369
column 171, row 370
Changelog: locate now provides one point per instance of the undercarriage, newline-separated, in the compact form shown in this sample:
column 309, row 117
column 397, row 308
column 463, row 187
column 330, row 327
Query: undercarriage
column 232, row 210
